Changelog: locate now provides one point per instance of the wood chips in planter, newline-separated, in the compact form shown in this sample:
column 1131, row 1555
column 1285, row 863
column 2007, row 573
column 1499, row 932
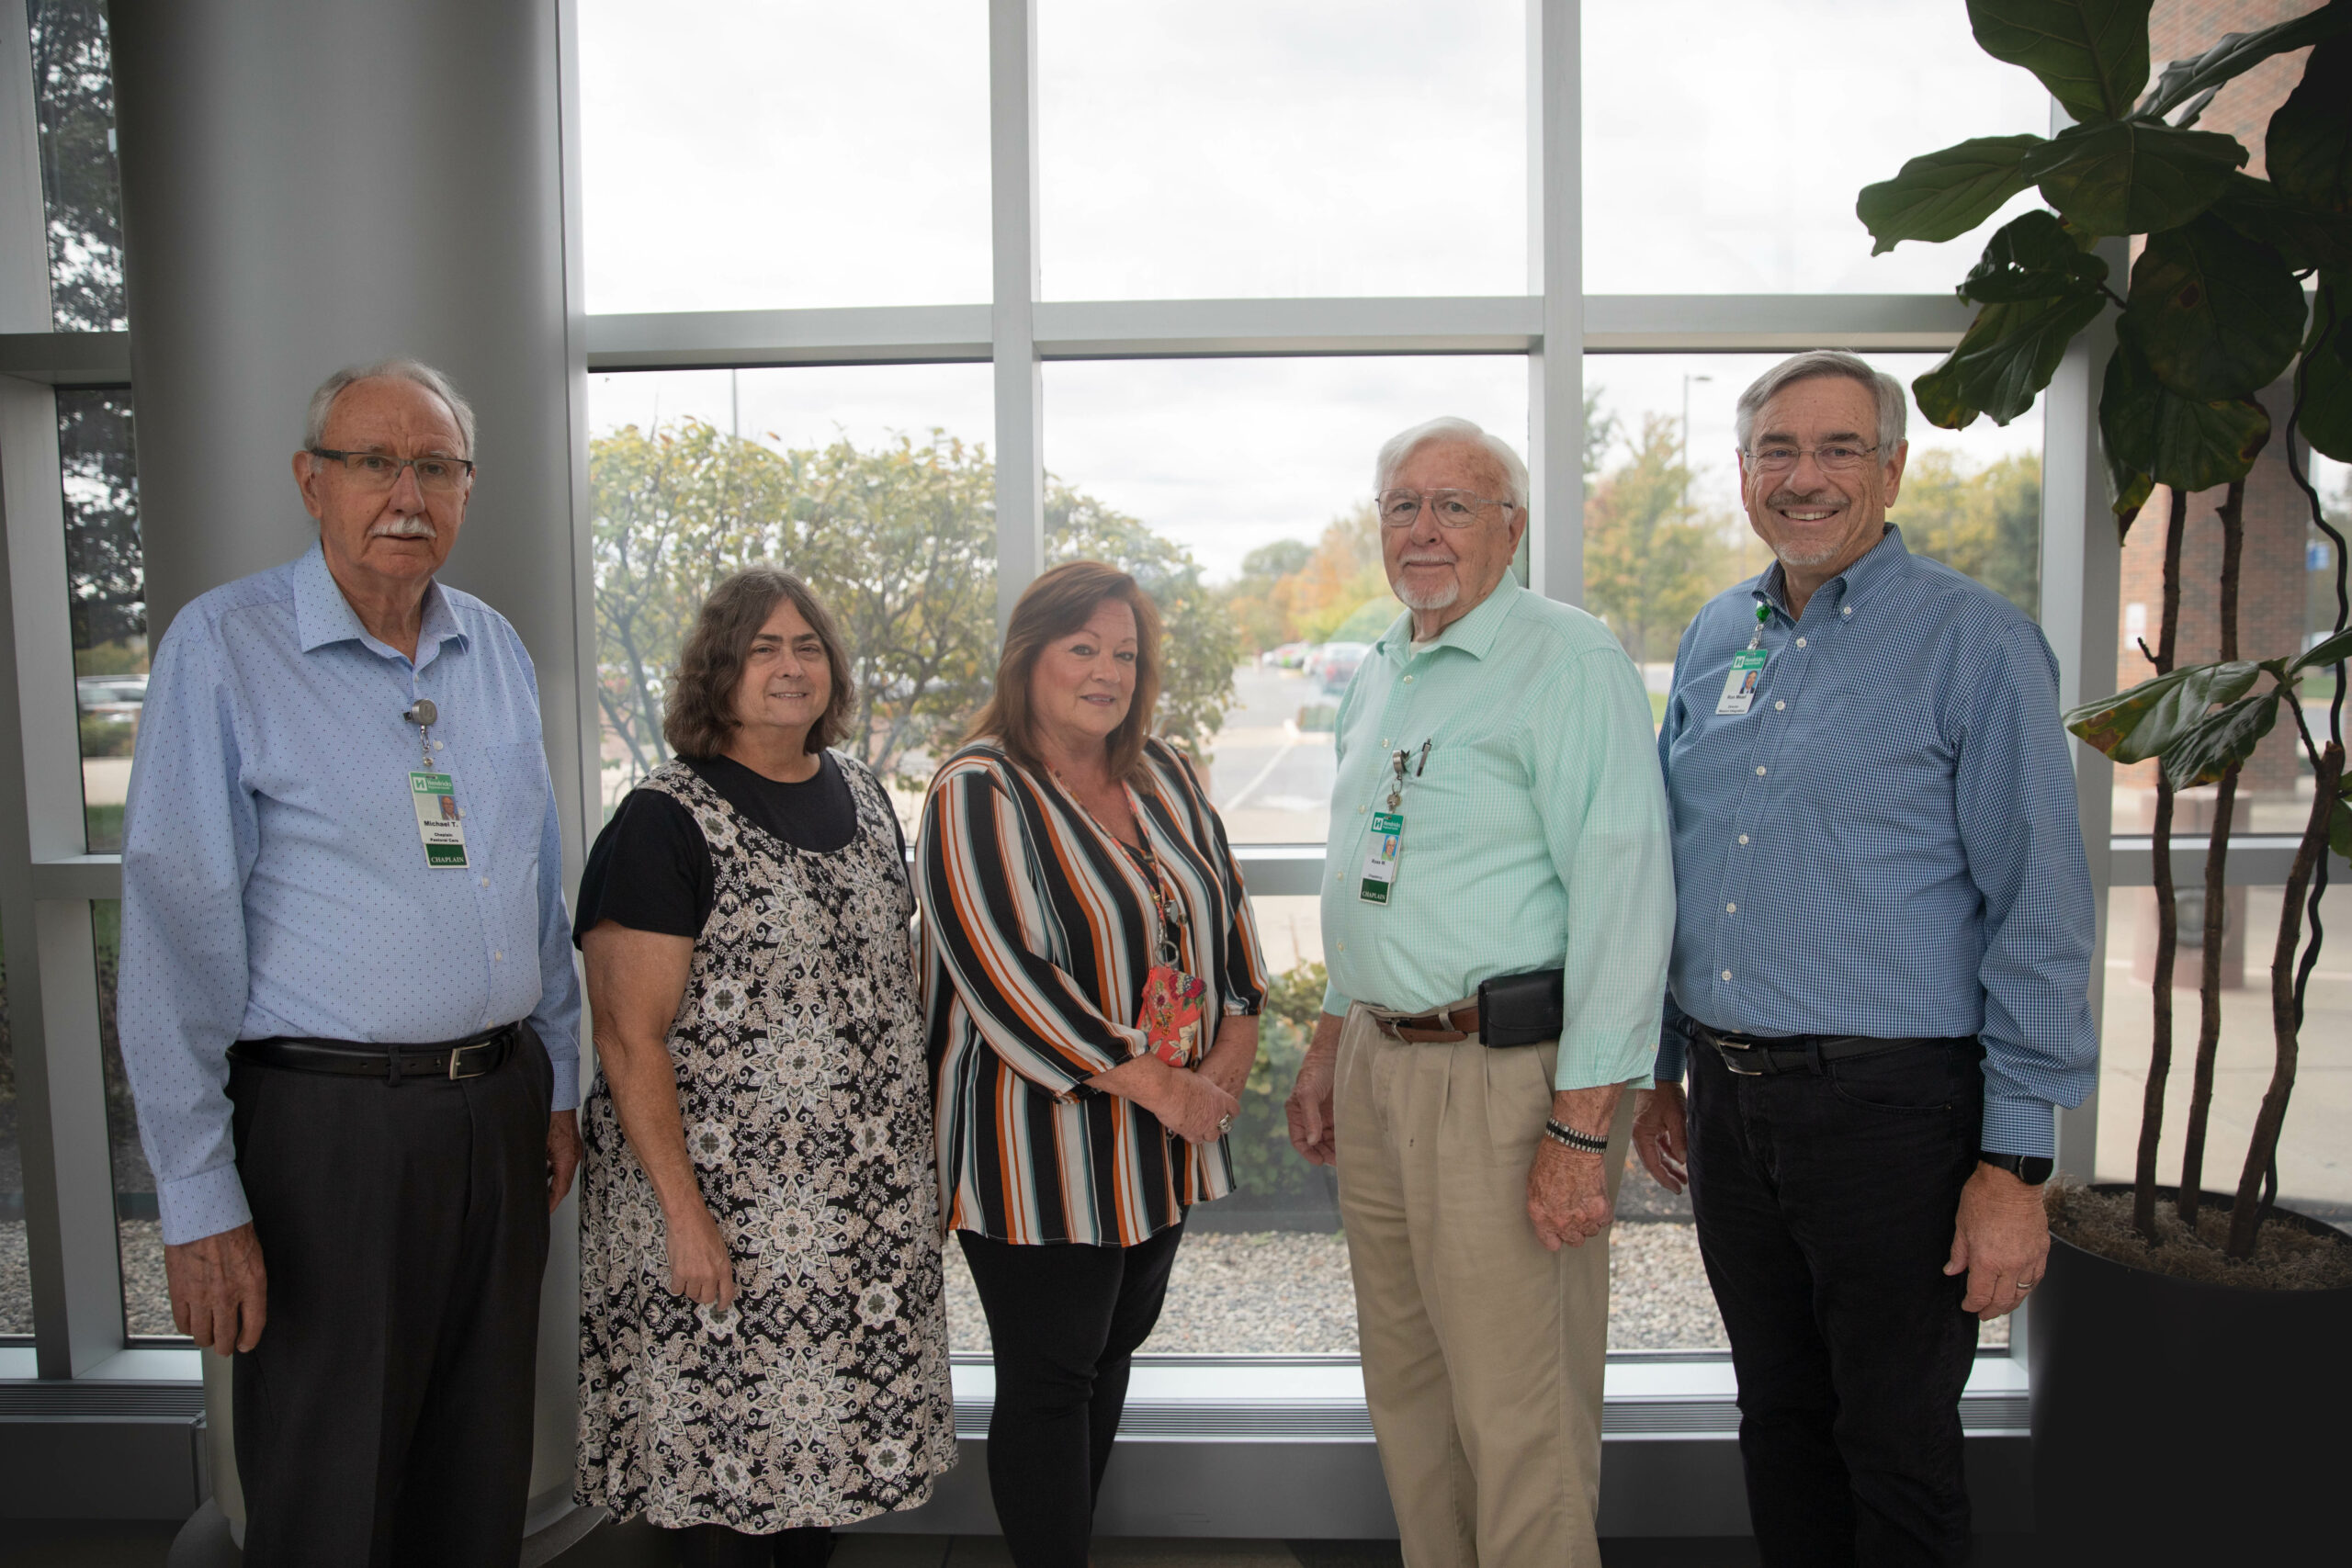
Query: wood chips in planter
column 2285, row 1255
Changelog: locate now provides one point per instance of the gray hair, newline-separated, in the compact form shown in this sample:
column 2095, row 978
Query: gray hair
column 1894, row 404
column 314, row 424
column 1399, row 448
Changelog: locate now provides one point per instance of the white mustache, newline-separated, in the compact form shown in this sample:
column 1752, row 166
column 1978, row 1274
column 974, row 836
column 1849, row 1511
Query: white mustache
column 1785, row 498
column 411, row 527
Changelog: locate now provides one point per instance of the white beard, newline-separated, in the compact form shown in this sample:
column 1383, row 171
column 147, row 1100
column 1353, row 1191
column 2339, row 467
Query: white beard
column 1815, row 557
column 1430, row 599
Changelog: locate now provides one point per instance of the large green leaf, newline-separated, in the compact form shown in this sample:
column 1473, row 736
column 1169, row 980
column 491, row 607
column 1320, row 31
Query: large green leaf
column 2307, row 236
column 2145, row 721
column 2007, row 355
column 2327, row 418
column 2033, row 256
column 2220, row 742
column 2339, row 828
column 2239, row 53
column 1941, row 196
column 2091, row 54
column 2307, row 149
column 2150, row 429
column 2330, row 650
column 2216, row 315
column 2134, row 176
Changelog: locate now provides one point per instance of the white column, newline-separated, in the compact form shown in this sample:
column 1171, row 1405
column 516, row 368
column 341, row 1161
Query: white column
column 1556, row 271
column 1020, row 390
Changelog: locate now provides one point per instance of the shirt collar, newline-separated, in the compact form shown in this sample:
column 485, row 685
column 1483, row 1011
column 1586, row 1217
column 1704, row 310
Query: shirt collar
column 1474, row 633
column 1880, row 563
column 323, row 615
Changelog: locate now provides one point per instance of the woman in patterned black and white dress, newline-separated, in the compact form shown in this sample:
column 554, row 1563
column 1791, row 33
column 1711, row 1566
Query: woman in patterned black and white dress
column 762, row 1349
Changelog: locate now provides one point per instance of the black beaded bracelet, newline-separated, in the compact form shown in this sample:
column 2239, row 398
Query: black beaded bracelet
column 1560, row 1133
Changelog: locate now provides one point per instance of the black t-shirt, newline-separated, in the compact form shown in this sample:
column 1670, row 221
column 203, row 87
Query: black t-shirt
column 651, row 867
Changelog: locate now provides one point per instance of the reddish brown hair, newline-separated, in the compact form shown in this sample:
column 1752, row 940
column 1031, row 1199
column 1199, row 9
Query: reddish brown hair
column 1060, row 603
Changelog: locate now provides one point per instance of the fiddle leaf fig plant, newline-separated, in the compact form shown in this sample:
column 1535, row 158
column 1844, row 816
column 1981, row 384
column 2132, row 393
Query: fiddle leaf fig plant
column 2238, row 280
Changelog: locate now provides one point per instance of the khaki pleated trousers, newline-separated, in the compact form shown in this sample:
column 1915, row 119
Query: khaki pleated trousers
column 1483, row 1353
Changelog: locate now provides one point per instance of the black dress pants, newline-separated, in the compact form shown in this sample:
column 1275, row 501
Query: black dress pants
column 384, row 1420
column 1826, row 1203
column 1064, row 1320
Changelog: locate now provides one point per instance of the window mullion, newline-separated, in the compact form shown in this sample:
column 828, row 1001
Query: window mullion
column 1020, row 389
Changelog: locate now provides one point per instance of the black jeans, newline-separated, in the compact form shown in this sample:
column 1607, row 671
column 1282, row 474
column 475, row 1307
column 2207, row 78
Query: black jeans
column 1064, row 1320
column 1825, row 1204
column 384, row 1420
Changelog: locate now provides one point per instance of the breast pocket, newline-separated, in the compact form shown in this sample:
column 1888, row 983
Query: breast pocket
column 514, row 801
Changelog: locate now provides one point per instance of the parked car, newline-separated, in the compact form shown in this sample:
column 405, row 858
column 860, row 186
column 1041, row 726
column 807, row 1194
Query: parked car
column 1333, row 665
column 118, row 697
column 1289, row 656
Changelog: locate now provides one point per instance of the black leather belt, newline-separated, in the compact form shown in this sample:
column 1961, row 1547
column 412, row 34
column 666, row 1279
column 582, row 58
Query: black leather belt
column 451, row 1059
column 1751, row 1056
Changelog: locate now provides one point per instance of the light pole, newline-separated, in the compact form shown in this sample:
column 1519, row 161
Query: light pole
column 1687, row 379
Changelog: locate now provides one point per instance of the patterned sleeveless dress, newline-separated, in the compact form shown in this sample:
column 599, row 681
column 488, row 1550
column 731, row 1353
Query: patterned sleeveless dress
column 822, row 1396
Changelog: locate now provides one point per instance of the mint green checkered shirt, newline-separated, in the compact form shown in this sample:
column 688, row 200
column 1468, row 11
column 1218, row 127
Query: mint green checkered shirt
column 1534, row 838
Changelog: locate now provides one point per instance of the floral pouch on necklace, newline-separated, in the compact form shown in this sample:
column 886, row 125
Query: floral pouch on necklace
column 1170, row 1014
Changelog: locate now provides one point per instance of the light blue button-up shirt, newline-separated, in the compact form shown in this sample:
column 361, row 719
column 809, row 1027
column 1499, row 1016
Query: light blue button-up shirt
column 1885, row 842
column 273, row 878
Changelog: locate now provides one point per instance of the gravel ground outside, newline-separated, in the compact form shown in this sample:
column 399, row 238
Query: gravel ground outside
column 16, row 1281
column 1249, row 1292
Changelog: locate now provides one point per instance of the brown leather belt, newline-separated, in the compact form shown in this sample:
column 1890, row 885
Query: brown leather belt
column 451, row 1059
column 1445, row 1026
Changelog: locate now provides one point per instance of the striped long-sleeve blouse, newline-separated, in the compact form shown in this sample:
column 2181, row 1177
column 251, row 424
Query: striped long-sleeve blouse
column 1037, row 934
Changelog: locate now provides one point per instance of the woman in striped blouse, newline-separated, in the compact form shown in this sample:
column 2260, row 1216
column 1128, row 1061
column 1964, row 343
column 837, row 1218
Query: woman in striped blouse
column 1074, row 879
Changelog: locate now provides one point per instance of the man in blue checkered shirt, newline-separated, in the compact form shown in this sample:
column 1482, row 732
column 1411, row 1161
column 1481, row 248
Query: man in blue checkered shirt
column 1881, row 955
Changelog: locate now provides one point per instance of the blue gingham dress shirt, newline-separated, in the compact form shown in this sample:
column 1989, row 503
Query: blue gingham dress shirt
column 272, row 880
column 1886, row 842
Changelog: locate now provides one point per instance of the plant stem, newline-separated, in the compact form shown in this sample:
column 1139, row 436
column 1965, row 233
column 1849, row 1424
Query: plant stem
column 2325, row 307
column 2152, row 1106
column 2244, row 1217
column 2217, row 887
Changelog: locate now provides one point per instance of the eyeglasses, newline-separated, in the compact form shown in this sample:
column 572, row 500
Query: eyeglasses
column 1834, row 459
column 381, row 470
column 1451, row 508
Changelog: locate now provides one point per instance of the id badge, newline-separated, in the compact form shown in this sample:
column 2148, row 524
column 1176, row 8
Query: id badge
column 1380, row 853
column 436, row 797
column 1739, row 686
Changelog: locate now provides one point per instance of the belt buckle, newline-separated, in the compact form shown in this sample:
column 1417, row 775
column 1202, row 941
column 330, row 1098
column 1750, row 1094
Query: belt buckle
column 1726, row 1050
column 458, row 1052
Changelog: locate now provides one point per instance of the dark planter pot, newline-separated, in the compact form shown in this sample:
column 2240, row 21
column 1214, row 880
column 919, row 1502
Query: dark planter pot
column 2175, row 1422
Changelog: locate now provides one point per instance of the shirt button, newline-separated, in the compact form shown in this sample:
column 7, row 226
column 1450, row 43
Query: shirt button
column 1731, row 909
column 1408, row 680
column 498, row 957
column 1343, row 947
column 436, row 745
column 1726, row 973
column 1384, row 741
column 1778, row 705
column 1759, row 772
column 485, row 882
column 1743, row 838
column 1359, row 811
column 1800, row 642
column 1846, row 611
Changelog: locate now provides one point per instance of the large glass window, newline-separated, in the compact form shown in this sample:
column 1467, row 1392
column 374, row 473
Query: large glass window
column 74, row 94
column 1249, row 482
column 874, row 483
column 1665, row 530
column 139, row 1229
column 16, row 1275
column 2287, row 600
column 1221, row 149
column 1724, row 143
column 106, row 573
column 763, row 154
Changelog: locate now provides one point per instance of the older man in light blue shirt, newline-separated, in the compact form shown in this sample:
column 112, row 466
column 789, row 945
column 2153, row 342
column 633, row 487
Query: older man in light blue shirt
column 347, row 1003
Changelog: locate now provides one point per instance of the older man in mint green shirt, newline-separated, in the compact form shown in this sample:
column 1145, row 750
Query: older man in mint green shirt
column 1498, row 812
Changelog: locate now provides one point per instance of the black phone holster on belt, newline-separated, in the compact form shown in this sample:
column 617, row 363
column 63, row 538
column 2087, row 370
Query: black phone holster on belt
column 1521, row 1010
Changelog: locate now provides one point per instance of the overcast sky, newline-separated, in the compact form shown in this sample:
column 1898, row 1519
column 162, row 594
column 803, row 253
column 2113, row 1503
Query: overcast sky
column 787, row 154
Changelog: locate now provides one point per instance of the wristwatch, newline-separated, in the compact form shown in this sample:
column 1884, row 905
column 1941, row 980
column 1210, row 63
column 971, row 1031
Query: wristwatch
column 2031, row 1169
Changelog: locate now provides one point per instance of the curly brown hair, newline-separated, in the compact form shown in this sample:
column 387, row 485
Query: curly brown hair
column 1056, row 604
column 698, row 713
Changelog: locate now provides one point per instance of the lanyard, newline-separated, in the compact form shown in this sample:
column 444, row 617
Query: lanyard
column 1165, row 903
